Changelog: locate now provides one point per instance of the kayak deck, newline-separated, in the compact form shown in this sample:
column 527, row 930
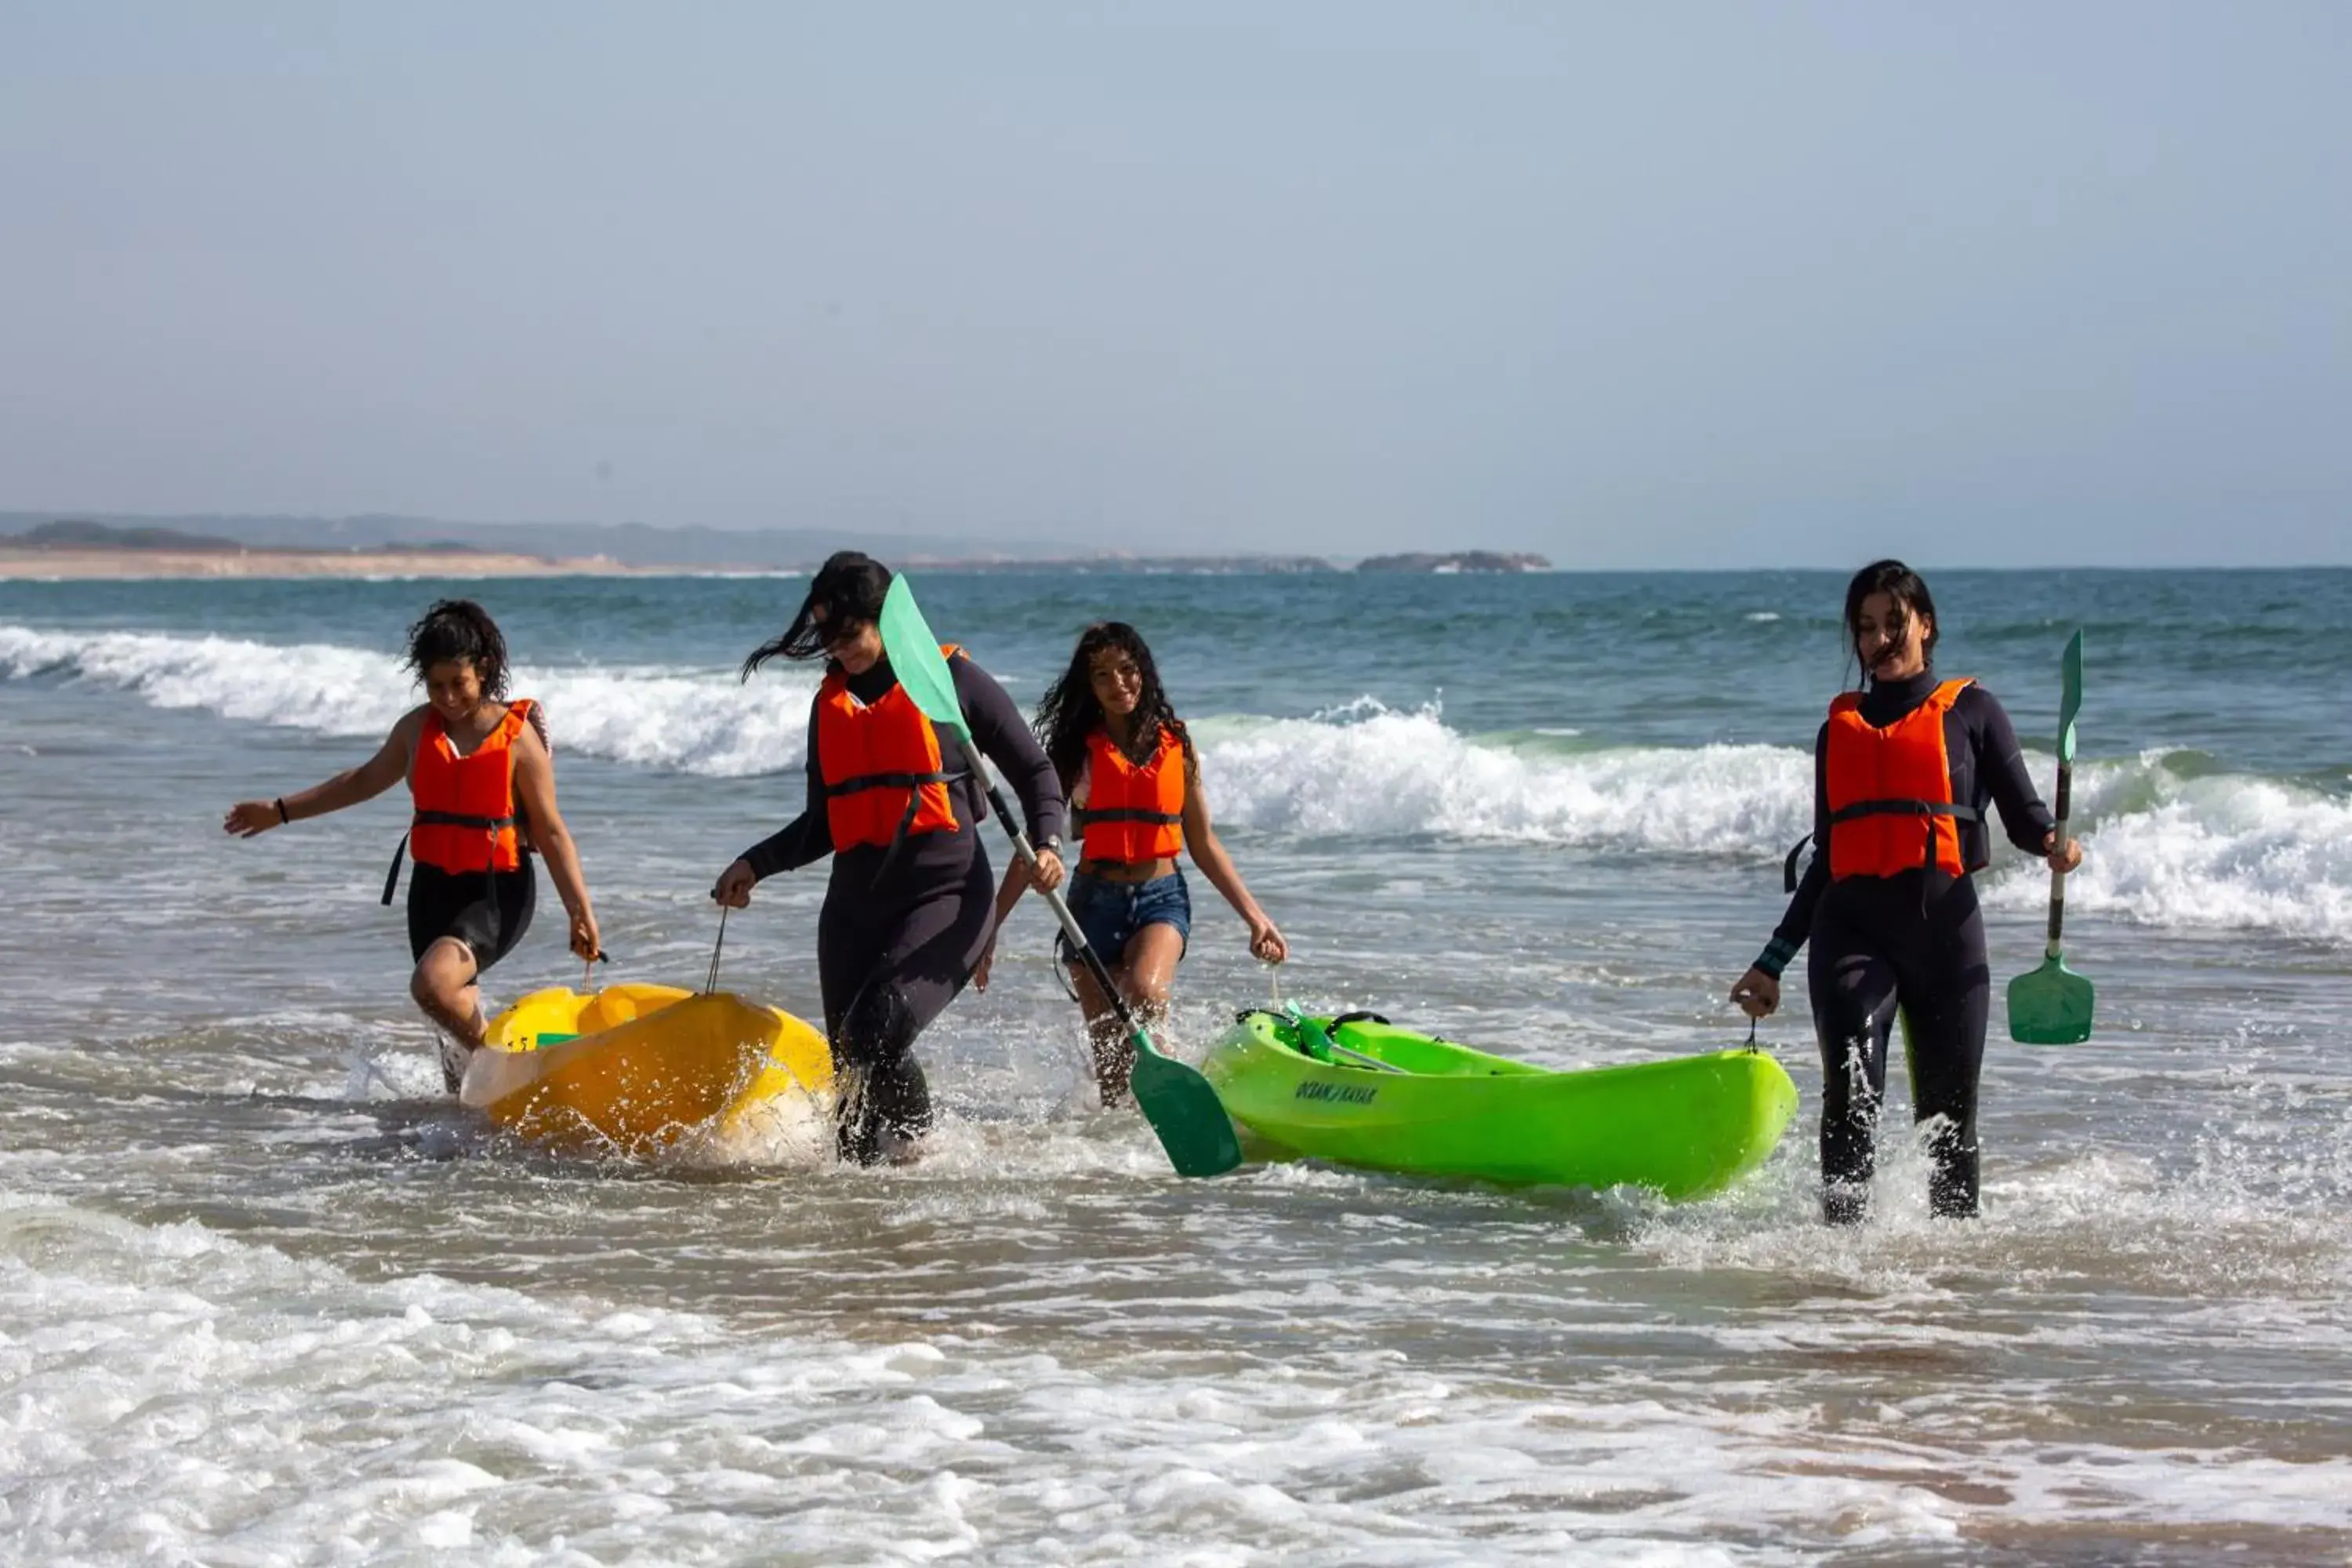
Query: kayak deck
column 634, row 1067
column 1359, row 1090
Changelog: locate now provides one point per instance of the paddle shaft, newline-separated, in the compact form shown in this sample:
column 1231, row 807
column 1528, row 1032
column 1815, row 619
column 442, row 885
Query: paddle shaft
column 1358, row 1057
column 2057, row 878
column 1077, row 938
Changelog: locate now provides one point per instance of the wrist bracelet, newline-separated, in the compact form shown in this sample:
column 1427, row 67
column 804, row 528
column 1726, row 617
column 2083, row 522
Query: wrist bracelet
column 283, row 815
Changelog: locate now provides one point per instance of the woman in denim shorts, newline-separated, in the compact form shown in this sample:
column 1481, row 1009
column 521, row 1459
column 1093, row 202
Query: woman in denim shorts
column 1134, row 787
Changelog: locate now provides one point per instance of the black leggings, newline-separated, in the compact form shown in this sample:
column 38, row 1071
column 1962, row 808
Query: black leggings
column 486, row 911
column 887, row 966
column 1884, row 945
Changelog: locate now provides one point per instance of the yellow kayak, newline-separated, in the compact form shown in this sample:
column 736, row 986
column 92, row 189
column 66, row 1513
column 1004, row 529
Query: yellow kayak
column 634, row 1067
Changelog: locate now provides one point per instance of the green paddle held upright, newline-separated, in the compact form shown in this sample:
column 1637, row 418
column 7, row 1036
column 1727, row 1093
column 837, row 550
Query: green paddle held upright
column 2052, row 1005
column 1178, row 1101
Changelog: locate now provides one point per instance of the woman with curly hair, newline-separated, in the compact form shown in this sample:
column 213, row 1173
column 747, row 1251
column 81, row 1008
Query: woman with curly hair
column 483, row 786
column 1133, row 779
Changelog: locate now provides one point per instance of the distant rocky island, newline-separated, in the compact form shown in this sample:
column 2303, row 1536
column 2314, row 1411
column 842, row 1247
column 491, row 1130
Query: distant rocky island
column 1456, row 560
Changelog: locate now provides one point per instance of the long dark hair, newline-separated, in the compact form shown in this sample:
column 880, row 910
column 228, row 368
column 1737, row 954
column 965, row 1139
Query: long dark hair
column 850, row 586
column 460, row 629
column 1911, row 598
column 1069, row 712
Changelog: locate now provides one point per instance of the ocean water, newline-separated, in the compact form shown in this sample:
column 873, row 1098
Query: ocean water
column 265, row 1299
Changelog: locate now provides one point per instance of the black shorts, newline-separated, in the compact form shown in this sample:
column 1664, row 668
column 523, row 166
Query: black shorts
column 487, row 912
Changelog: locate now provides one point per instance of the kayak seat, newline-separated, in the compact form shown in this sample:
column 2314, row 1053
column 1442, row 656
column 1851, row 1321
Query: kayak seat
column 624, row 1004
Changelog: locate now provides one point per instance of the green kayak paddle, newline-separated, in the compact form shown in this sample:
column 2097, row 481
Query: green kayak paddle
column 1177, row 1100
column 2051, row 1005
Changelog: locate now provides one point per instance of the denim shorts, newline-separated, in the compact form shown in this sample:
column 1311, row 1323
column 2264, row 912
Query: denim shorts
column 1110, row 913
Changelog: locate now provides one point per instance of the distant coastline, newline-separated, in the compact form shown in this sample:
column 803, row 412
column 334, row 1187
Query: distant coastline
column 1452, row 561
column 83, row 548
column 78, row 549
column 57, row 564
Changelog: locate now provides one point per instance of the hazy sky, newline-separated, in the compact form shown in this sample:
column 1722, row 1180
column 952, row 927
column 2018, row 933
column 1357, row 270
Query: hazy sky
column 1630, row 284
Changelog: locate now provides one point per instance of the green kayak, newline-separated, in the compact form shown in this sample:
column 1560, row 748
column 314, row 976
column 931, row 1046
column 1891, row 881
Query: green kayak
column 1357, row 1090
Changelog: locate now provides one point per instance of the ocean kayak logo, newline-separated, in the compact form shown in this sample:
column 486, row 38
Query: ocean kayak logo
column 1336, row 1093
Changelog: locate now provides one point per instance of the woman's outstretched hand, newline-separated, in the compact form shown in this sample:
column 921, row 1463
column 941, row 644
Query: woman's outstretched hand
column 1757, row 994
column 2061, row 859
column 735, row 885
column 1266, row 943
column 247, row 818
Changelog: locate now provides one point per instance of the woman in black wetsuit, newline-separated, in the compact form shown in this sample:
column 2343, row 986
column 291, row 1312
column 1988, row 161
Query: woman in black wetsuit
column 909, row 908
column 1902, row 771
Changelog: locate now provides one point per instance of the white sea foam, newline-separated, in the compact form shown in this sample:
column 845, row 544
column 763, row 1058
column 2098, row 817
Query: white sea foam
column 1394, row 772
column 2220, row 851
column 703, row 722
column 315, row 686
column 2224, row 851
column 178, row 1395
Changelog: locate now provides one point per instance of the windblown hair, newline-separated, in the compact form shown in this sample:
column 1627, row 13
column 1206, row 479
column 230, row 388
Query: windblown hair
column 1069, row 712
column 460, row 629
column 850, row 586
column 1911, row 598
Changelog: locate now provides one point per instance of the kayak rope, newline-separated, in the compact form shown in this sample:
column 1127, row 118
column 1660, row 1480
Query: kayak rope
column 711, row 981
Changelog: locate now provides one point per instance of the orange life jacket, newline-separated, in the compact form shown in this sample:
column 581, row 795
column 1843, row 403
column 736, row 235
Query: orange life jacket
column 1133, row 814
column 1890, row 790
column 880, row 763
column 465, row 811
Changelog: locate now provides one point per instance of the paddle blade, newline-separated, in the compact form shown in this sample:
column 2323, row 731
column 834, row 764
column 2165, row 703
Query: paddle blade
column 2071, row 703
column 2050, row 1007
column 1176, row 1100
column 916, row 660
column 1185, row 1112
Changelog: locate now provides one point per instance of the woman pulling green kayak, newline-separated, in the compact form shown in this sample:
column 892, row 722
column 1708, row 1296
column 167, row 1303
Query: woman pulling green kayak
column 483, row 785
column 907, row 914
column 1133, row 780
column 1902, row 771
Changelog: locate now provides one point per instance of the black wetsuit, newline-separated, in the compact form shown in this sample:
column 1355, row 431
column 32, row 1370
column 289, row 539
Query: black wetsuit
column 903, row 925
column 1915, row 943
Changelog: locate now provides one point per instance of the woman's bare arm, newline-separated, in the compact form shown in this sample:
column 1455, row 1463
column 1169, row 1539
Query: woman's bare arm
column 370, row 779
column 1209, row 852
column 534, row 788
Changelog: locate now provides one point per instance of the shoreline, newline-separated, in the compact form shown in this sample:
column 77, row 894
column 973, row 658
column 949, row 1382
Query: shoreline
column 21, row 564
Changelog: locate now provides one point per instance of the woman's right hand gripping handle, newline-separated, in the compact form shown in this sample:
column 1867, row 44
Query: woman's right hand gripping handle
column 1757, row 994
column 735, row 885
